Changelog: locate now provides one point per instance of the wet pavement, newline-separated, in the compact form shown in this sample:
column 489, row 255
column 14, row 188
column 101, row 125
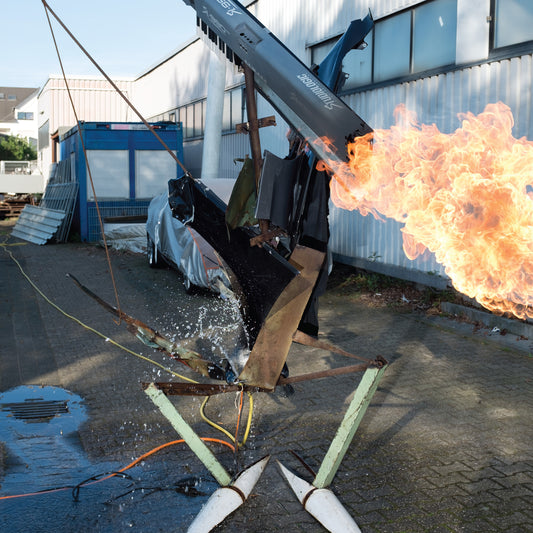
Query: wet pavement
column 446, row 444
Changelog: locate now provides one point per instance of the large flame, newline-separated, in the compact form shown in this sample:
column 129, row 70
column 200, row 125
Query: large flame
column 465, row 196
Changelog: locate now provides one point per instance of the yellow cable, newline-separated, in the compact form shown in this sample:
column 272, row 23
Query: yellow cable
column 213, row 424
column 114, row 343
column 225, row 431
column 249, row 421
column 4, row 246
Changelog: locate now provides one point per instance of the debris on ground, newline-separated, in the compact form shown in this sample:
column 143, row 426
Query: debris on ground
column 11, row 205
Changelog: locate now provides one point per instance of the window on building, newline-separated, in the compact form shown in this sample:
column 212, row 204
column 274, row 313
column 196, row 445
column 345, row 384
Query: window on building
column 44, row 135
column 434, row 35
column 21, row 115
column 237, row 107
column 188, row 121
column 226, row 113
column 415, row 40
column 204, row 114
column 198, row 119
column 512, row 22
column 392, row 45
column 2, row 96
column 233, row 112
column 12, row 97
column 192, row 116
column 110, row 174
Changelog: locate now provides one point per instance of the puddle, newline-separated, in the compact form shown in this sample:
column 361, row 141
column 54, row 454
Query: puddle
column 39, row 427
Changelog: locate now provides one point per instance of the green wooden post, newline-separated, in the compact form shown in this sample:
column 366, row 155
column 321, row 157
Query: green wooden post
column 339, row 445
column 188, row 435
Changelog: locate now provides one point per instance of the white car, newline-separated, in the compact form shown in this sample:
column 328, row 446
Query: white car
column 169, row 241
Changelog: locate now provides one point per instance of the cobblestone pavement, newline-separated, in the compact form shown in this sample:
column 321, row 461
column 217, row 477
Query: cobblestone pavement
column 446, row 444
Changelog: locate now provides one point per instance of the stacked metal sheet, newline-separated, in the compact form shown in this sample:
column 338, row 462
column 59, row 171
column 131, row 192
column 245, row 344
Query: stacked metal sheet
column 53, row 217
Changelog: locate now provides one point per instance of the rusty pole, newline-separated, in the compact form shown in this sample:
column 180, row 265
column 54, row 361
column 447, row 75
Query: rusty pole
column 253, row 122
column 253, row 131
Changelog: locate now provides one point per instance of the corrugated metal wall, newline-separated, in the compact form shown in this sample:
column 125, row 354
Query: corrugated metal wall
column 94, row 98
column 233, row 147
column 436, row 99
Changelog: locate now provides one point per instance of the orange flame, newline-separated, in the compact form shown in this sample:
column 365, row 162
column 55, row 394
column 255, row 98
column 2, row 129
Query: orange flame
column 465, row 196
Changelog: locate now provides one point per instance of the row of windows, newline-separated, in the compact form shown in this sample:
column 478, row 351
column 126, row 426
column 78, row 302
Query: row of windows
column 192, row 116
column 424, row 38
column 412, row 41
column 11, row 97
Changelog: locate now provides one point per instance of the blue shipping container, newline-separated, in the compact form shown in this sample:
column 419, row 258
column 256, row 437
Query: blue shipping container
column 128, row 166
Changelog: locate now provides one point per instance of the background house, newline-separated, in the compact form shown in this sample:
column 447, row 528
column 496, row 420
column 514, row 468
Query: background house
column 18, row 112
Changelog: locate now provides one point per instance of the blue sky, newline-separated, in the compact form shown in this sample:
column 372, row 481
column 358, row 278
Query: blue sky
column 124, row 36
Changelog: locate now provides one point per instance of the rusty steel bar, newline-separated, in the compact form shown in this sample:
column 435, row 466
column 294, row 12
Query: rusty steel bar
column 152, row 338
column 302, row 338
column 244, row 127
column 200, row 389
column 253, row 123
column 210, row 389
column 325, row 373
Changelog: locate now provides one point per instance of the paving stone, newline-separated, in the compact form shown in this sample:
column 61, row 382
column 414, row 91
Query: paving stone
column 444, row 446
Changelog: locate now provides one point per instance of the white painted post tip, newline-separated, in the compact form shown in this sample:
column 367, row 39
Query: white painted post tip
column 225, row 500
column 322, row 504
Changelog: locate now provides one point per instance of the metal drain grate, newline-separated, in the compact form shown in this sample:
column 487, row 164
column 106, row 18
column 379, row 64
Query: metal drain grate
column 36, row 409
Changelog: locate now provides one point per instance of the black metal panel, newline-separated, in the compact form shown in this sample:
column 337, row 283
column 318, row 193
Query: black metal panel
column 262, row 273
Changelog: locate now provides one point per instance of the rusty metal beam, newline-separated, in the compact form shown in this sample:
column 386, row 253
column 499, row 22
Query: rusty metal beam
column 210, row 389
column 324, row 374
column 198, row 389
column 152, row 338
column 253, row 123
column 302, row 338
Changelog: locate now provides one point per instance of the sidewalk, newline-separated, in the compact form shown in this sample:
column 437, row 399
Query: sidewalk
column 446, row 445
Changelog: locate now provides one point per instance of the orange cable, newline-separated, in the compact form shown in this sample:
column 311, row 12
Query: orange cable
column 132, row 464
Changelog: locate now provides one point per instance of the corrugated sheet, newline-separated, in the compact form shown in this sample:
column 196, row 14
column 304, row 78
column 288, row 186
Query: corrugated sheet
column 37, row 224
column 94, row 99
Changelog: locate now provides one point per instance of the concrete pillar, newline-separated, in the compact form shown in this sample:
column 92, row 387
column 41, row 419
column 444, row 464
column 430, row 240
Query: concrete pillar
column 213, row 120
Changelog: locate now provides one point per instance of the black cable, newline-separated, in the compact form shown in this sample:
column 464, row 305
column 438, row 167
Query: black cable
column 76, row 489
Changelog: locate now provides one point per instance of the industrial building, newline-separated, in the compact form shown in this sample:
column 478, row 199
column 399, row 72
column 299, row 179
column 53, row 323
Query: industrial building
column 441, row 58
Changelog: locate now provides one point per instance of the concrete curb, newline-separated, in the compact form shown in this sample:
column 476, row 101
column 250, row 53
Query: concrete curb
column 516, row 327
